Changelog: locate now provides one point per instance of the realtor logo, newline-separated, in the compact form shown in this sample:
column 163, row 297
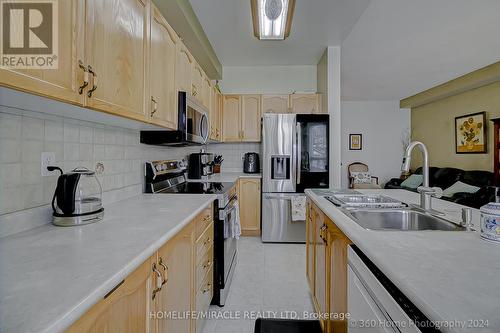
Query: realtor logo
column 29, row 34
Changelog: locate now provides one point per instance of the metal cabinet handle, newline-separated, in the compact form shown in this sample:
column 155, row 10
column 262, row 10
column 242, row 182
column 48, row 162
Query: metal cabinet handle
column 94, row 81
column 85, row 77
column 207, row 265
column 155, row 106
column 207, row 288
column 165, row 268
column 159, row 280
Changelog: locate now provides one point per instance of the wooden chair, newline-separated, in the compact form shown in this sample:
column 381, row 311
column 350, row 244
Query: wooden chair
column 361, row 167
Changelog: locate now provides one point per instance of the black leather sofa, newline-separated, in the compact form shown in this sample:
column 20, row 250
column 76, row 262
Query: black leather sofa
column 445, row 177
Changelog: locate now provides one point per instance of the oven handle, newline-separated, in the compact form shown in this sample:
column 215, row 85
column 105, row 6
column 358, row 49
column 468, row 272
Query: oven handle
column 229, row 208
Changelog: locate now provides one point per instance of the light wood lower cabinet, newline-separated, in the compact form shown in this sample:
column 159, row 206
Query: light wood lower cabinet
column 125, row 308
column 326, row 268
column 175, row 281
column 174, row 263
column 249, row 198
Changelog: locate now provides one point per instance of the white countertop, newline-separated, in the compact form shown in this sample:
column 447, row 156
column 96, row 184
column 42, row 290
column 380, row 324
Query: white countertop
column 50, row 276
column 448, row 275
column 227, row 177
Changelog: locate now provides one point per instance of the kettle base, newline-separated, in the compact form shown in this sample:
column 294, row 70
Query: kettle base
column 71, row 221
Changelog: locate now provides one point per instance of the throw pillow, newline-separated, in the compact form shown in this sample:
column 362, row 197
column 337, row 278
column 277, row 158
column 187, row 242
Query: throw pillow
column 460, row 187
column 413, row 181
column 361, row 177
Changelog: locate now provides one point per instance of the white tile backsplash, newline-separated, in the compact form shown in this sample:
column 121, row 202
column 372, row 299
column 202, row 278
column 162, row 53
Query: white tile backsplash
column 24, row 135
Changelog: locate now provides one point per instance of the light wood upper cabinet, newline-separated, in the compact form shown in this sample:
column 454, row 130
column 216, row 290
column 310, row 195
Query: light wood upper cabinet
column 183, row 68
column 249, row 202
column 116, row 34
column 305, row 103
column 275, row 104
column 231, row 118
column 196, row 81
column 163, row 48
column 206, row 92
column 125, row 309
column 174, row 263
column 241, row 118
column 250, row 118
column 215, row 115
column 61, row 83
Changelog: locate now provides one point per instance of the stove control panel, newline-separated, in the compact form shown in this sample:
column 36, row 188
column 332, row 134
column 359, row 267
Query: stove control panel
column 152, row 169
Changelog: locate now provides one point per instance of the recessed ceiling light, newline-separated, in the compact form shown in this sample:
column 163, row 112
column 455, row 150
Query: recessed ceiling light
column 272, row 19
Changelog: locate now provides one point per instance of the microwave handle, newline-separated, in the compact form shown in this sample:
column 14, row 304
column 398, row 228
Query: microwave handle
column 204, row 127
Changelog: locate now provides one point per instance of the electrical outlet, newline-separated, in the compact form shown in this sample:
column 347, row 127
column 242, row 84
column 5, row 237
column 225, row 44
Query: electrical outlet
column 48, row 158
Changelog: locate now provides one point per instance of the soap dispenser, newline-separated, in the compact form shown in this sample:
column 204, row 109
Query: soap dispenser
column 490, row 219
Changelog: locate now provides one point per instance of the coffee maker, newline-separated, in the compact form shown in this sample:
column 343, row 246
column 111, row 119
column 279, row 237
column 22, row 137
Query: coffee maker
column 200, row 165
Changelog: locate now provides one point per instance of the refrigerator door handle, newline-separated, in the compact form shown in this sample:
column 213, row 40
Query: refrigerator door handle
column 299, row 150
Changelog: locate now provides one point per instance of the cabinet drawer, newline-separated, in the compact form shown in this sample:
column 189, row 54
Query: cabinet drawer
column 204, row 265
column 204, row 242
column 203, row 298
column 202, row 221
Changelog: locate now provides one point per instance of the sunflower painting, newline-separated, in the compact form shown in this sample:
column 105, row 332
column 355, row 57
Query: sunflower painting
column 470, row 133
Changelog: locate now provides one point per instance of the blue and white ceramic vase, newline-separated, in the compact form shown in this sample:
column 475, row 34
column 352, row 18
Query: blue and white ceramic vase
column 490, row 222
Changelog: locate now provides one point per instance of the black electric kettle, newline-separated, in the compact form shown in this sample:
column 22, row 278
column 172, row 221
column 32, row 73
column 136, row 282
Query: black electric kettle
column 77, row 199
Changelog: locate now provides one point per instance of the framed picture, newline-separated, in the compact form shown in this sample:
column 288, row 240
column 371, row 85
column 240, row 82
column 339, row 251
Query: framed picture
column 470, row 134
column 355, row 141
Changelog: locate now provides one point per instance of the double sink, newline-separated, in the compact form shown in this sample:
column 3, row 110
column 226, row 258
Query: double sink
column 377, row 212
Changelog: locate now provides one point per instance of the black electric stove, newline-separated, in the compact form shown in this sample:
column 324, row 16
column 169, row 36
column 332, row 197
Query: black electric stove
column 169, row 177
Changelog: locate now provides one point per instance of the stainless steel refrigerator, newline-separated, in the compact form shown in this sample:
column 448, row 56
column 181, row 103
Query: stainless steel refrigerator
column 295, row 157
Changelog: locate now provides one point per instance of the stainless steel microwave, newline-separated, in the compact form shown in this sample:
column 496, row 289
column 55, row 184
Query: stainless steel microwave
column 193, row 126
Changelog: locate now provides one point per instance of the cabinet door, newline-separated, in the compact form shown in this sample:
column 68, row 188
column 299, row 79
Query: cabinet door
column 231, row 118
column 214, row 114
column 206, row 91
column 197, row 81
column 250, row 118
column 116, row 45
column 61, row 83
column 310, row 249
column 337, row 275
column 275, row 104
column 249, row 202
column 183, row 68
column 219, row 115
column 162, row 71
column 304, row 103
column 320, row 291
column 124, row 309
column 175, row 294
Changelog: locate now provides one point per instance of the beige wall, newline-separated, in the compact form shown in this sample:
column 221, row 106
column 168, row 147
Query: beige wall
column 434, row 125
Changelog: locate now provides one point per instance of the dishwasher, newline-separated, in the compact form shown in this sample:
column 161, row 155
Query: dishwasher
column 375, row 304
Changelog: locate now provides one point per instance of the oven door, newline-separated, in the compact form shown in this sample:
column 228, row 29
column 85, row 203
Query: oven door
column 228, row 215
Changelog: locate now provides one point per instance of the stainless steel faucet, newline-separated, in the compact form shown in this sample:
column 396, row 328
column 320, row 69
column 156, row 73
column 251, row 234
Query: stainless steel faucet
column 426, row 192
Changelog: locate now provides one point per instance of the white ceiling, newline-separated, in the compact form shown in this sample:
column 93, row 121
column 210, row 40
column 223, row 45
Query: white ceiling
column 391, row 49
column 316, row 24
column 401, row 47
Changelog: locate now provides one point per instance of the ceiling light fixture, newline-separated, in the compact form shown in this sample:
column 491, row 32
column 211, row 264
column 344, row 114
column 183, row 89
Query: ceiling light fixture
column 272, row 19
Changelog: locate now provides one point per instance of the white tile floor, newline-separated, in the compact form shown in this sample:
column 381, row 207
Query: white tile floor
column 269, row 279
